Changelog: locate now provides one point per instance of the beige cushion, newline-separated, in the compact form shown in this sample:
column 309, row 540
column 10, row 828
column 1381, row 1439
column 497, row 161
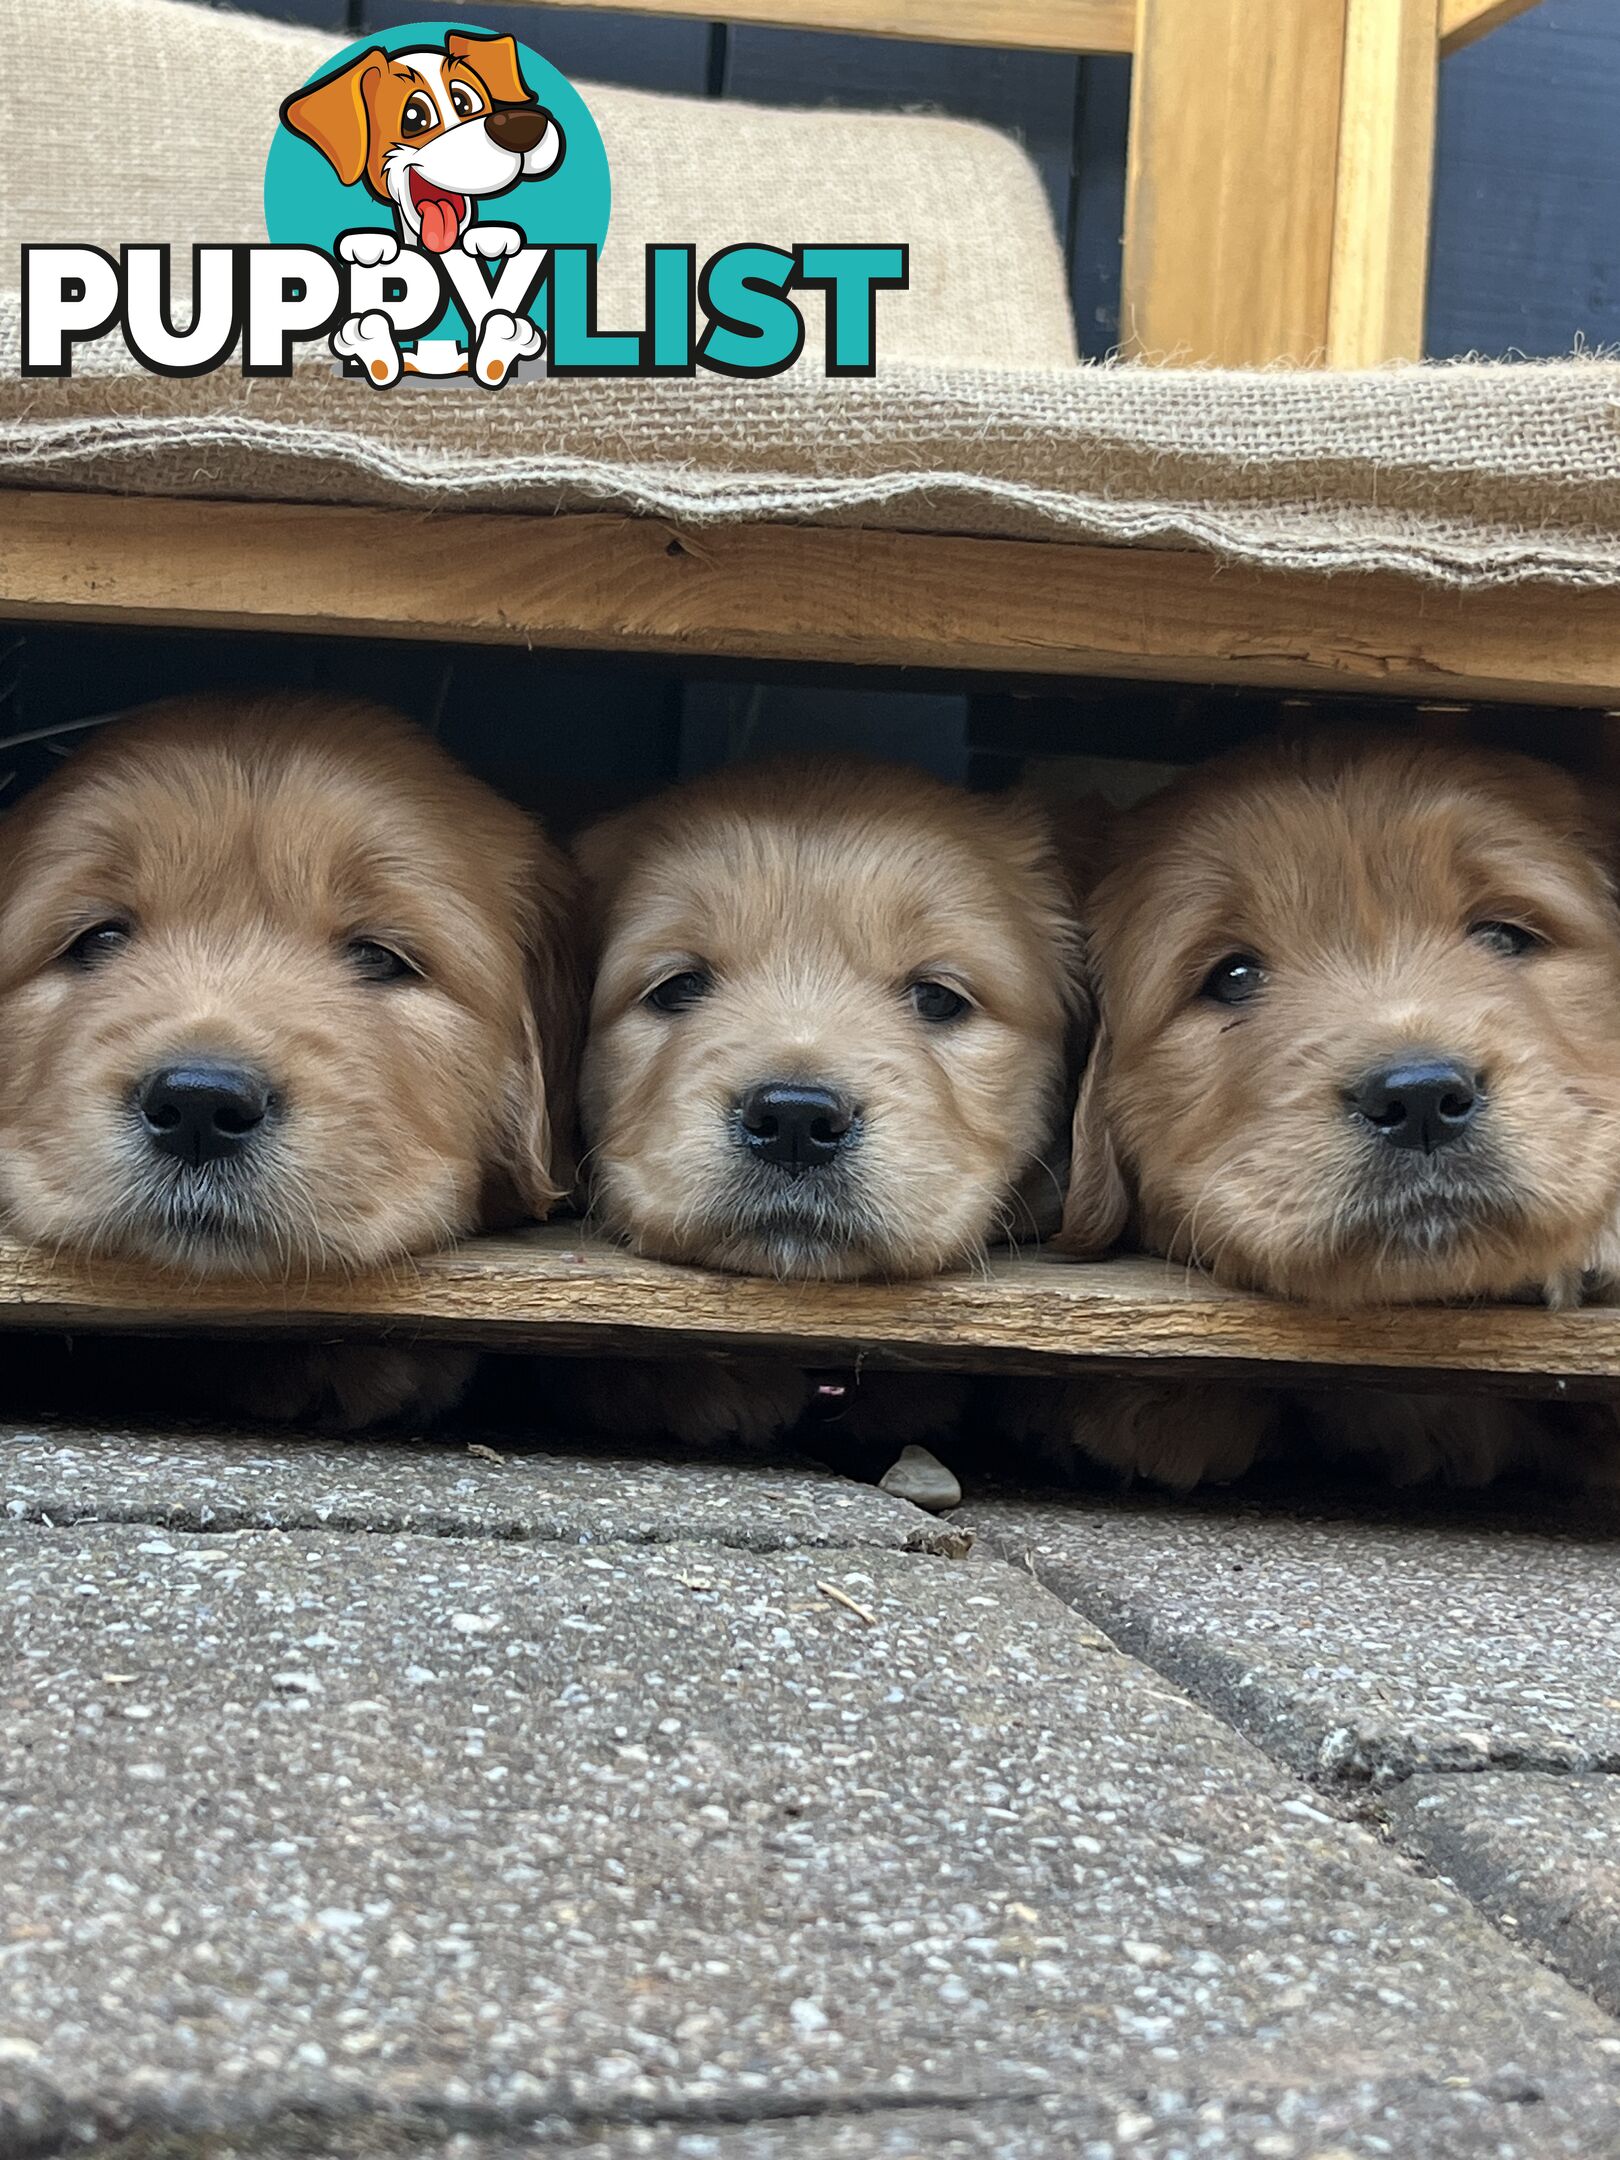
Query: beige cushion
column 149, row 120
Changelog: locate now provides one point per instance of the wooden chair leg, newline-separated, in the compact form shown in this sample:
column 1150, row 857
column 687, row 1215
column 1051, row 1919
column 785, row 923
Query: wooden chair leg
column 1229, row 182
column 1385, row 184
column 1279, row 180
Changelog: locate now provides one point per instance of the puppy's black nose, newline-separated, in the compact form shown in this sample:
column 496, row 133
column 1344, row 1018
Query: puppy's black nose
column 201, row 1112
column 1426, row 1104
column 795, row 1126
column 516, row 127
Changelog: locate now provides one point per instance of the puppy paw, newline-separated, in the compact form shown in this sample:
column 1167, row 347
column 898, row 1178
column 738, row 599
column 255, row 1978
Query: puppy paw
column 703, row 1405
column 343, row 1387
column 369, row 340
column 1573, row 1287
column 503, row 341
column 492, row 241
column 1581, row 1448
column 1166, row 1433
column 1418, row 1439
column 368, row 248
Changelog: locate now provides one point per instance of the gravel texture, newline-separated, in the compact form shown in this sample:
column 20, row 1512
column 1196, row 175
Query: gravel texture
column 698, row 1851
column 219, row 1480
column 1355, row 1644
column 1540, row 1854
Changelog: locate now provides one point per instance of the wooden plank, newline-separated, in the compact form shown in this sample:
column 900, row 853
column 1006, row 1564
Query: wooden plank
column 795, row 593
column 1069, row 26
column 1230, row 183
column 1385, row 183
column 552, row 1289
column 1462, row 21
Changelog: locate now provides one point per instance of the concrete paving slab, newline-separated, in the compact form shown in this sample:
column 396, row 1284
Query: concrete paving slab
column 1393, row 2118
column 1540, row 1854
column 424, row 1836
column 221, row 1480
column 1355, row 1642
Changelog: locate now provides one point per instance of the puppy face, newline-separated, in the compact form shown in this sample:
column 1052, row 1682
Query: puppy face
column 280, row 987
column 1361, row 1026
column 430, row 131
column 830, row 1021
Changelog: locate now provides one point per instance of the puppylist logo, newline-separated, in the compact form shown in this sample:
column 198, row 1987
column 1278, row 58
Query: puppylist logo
column 435, row 200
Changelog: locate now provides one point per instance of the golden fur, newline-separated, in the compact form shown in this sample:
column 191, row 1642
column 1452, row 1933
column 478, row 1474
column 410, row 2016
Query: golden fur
column 810, row 897
column 240, row 850
column 1356, row 871
column 1360, row 873
column 813, row 896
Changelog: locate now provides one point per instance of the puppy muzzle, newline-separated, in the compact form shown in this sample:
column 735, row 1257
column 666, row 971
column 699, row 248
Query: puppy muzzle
column 1428, row 1201
column 795, row 1127
column 198, row 1164
column 1420, row 1103
column 203, row 1111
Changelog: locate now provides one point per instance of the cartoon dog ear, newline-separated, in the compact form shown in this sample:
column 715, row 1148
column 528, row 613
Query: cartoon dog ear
column 334, row 116
column 496, row 62
column 539, row 1154
column 1097, row 1205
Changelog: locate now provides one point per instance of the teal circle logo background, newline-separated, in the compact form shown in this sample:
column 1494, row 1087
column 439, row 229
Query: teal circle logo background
column 307, row 205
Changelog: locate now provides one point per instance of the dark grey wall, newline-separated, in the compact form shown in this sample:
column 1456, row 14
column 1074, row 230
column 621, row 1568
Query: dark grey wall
column 1527, row 208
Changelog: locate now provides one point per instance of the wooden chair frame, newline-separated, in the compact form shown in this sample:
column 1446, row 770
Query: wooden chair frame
column 1279, row 180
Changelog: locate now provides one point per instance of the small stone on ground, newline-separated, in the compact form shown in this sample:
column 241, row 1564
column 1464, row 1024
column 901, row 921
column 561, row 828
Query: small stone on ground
column 920, row 1477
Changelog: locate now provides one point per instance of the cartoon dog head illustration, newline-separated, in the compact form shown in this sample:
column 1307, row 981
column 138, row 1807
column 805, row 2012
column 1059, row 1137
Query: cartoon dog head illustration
column 430, row 131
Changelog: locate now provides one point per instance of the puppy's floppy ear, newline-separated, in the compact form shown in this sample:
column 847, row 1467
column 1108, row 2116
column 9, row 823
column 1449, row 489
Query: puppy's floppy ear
column 604, row 853
column 538, row 1149
column 496, row 61
column 1602, row 806
column 334, row 116
column 1080, row 830
column 1097, row 1205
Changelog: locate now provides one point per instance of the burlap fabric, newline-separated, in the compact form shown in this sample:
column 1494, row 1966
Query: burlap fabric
column 165, row 129
column 1469, row 474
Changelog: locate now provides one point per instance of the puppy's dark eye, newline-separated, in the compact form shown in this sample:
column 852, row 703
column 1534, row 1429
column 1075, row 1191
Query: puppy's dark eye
column 937, row 1001
column 676, row 992
column 92, row 946
column 1508, row 938
column 377, row 963
column 418, row 116
column 465, row 100
column 1234, row 980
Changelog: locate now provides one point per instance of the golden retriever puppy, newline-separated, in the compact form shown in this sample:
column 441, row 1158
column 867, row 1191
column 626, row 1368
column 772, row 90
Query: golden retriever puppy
column 833, row 1016
column 1359, row 1043
column 282, row 989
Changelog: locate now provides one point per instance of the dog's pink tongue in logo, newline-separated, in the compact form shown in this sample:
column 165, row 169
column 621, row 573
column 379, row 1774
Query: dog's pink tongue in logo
column 441, row 212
